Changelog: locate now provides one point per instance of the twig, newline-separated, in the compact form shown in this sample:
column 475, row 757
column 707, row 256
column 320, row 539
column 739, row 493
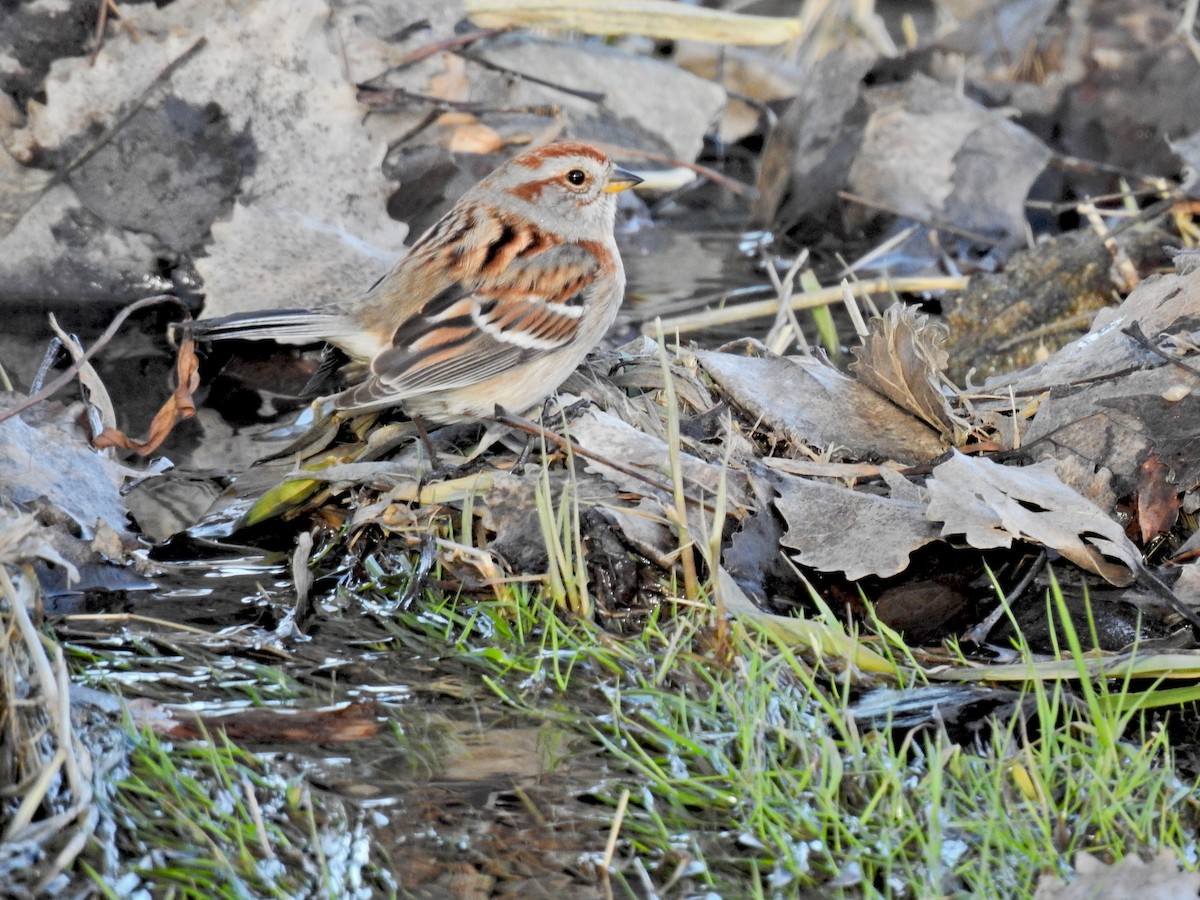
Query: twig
column 1068, row 163
column 106, row 6
column 852, row 310
column 454, row 43
column 930, row 223
column 590, row 96
column 1134, row 332
column 394, row 99
column 885, row 247
column 1058, row 207
column 730, row 184
column 135, row 617
column 527, row 426
column 70, row 372
column 1073, row 323
column 687, row 553
column 980, row 632
column 1120, row 259
column 785, row 318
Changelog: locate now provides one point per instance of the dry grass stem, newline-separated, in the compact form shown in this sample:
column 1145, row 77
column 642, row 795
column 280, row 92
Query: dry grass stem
column 852, row 310
column 711, row 318
column 39, row 749
column 687, row 556
column 649, row 18
column 786, row 328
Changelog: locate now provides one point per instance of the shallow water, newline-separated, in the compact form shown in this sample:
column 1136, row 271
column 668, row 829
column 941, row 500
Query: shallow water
column 444, row 771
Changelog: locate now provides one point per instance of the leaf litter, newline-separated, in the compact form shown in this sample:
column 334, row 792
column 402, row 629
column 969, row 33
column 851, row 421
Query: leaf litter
column 802, row 479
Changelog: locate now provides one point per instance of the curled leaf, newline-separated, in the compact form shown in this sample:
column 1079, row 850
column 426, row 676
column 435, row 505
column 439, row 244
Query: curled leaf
column 179, row 406
column 902, row 359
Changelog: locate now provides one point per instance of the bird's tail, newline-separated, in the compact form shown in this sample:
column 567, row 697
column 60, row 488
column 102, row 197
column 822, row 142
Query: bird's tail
column 287, row 326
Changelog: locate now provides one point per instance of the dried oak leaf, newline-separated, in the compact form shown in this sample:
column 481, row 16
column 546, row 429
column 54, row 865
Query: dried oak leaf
column 639, row 463
column 1100, row 427
column 902, row 358
column 928, row 152
column 814, row 404
column 992, row 505
column 836, row 529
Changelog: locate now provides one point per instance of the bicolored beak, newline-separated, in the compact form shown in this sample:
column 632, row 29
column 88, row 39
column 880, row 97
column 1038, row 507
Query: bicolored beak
column 619, row 180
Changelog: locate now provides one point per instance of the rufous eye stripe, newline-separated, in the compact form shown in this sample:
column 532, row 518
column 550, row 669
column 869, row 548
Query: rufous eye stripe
column 531, row 191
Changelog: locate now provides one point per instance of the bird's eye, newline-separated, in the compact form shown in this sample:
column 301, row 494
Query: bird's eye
column 577, row 177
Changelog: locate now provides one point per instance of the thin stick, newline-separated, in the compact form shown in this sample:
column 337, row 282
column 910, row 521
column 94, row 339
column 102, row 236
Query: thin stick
column 454, row 43
column 730, row 184
column 527, row 426
column 591, row 96
column 758, row 309
column 930, row 223
column 786, row 317
column 72, row 370
column 134, row 617
column 856, row 318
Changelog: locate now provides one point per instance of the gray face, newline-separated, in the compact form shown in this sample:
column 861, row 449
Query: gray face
column 563, row 193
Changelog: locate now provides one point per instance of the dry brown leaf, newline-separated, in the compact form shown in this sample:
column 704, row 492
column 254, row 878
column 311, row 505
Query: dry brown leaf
column 47, row 463
column 992, row 505
column 23, row 538
column 808, row 156
column 178, row 406
column 748, row 74
column 617, row 450
column 452, row 82
column 470, row 136
column 298, row 230
column 837, row 529
column 902, row 359
column 929, row 152
column 816, row 405
column 1158, row 498
column 600, row 85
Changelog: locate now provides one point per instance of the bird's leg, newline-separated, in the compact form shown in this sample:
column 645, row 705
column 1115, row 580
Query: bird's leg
column 527, row 450
column 437, row 469
column 381, row 442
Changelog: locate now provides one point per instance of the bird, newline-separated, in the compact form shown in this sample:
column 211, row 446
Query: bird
column 496, row 304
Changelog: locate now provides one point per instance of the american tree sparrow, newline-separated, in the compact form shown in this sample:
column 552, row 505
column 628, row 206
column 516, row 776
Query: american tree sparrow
column 496, row 303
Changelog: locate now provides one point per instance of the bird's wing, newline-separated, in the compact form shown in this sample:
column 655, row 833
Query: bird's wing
column 479, row 327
